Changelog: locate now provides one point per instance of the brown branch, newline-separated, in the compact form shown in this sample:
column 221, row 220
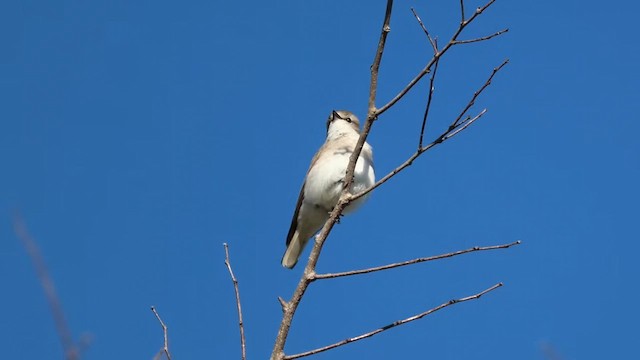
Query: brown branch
column 428, row 106
column 461, row 11
column 498, row 33
column 70, row 348
column 237, row 291
column 465, row 124
column 434, row 46
column 479, row 91
column 165, row 347
column 394, row 324
column 373, row 89
column 436, row 57
column 414, row 261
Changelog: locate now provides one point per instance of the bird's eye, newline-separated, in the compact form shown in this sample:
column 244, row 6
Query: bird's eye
column 348, row 119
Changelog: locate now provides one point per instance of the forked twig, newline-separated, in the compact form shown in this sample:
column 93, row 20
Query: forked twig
column 428, row 106
column 393, row 324
column 478, row 92
column 165, row 347
column 237, row 291
column 497, row 33
column 414, row 261
column 432, row 41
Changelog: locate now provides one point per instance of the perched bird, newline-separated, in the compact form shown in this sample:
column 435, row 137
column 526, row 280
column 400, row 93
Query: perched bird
column 324, row 182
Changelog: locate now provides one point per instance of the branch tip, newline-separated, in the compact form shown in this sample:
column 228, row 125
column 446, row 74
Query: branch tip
column 393, row 324
column 236, row 289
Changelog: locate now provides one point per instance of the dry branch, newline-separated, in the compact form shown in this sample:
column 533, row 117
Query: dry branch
column 414, row 261
column 165, row 346
column 237, row 291
column 393, row 324
column 432, row 41
column 71, row 349
column 488, row 37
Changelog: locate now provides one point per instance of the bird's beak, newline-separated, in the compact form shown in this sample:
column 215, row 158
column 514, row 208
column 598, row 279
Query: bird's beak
column 334, row 115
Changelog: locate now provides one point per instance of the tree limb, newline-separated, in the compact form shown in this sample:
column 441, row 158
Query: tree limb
column 414, row 261
column 70, row 348
column 165, row 347
column 393, row 324
column 237, row 291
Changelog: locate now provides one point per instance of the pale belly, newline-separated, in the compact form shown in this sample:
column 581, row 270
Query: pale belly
column 325, row 180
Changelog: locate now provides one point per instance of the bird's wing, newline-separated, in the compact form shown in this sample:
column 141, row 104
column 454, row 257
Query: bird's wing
column 294, row 221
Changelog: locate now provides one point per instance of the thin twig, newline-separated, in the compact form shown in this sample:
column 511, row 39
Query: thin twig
column 70, row 348
column 461, row 11
column 394, row 324
column 415, row 261
column 432, row 41
column 498, row 33
column 479, row 91
column 165, row 347
column 428, row 106
column 371, row 111
column 237, row 290
column 463, row 125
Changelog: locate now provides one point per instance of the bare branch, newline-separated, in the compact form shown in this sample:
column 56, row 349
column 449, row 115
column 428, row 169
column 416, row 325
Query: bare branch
column 478, row 92
column 70, row 348
column 373, row 89
column 415, row 261
column 433, row 43
column 394, row 324
column 237, row 291
column 375, row 67
column 498, row 33
column 461, row 11
column 428, row 106
column 463, row 125
column 165, row 347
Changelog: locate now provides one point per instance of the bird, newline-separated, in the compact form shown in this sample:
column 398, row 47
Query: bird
column 324, row 181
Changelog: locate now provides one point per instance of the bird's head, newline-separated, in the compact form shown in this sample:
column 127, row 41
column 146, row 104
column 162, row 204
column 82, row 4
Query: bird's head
column 343, row 120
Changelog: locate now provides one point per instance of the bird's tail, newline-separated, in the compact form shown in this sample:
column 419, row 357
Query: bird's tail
column 290, row 257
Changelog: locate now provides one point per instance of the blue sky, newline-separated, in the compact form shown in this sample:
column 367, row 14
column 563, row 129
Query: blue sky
column 137, row 137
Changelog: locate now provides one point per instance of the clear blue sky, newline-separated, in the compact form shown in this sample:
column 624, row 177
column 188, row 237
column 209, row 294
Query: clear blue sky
column 137, row 137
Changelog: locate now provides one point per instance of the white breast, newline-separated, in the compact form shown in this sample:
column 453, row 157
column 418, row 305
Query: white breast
column 324, row 181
